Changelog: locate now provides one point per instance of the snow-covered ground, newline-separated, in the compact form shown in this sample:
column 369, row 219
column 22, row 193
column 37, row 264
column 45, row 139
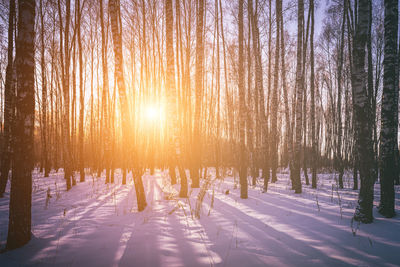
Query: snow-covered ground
column 98, row 225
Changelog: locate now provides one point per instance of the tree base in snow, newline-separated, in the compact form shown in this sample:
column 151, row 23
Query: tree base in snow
column 386, row 211
column 360, row 216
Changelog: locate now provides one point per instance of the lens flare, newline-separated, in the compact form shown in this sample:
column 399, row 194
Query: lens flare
column 152, row 113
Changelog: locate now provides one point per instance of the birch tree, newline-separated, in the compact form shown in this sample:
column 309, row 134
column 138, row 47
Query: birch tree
column 312, row 89
column 389, row 124
column 299, row 98
column 19, row 226
column 362, row 114
column 9, row 91
column 242, row 110
column 114, row 9
column 274, row 102
column 199, row 91
column 173, row 135
column 45, row 156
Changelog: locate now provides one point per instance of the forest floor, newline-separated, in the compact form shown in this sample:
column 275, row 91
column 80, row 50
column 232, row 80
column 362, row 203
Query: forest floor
column 95, row 224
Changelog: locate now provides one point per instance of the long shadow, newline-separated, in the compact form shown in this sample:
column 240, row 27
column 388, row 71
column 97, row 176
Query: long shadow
column 328, row 213
column 161, row 239
column 297, row 206
column 50, row 247
column 334, row 234
column 260, row 231
column 224, row 230
column 292, row 201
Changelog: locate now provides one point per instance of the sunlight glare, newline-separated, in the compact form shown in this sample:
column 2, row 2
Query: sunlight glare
column 152, row 113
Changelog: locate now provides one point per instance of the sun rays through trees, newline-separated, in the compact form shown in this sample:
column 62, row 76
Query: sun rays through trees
column 249, row 88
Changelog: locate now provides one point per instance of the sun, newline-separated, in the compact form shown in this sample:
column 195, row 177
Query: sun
column 152, row 113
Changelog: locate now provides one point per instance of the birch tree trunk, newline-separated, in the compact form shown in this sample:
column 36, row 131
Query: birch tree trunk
column 242, row 110
column 274, row 100
column 388, row 135
column 339, row 132
column 173, row 134
column 362, row 113
column 116, row 30
column 19, row 227
column 259, row 88
column 197, row 136
column 250, row 104
column 289, row 127
column 217, row 148
column 65, row 62
column 44, row 131
column 81, row 96
column 9, row 92
column 312, row 89
column 299, row 95
column 105, row 118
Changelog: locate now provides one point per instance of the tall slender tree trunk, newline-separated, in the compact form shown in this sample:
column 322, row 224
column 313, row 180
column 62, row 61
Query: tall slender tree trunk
column 242, row 110
column 274, row 102
column 371, row 91
column 250, row 103
column 105, row 118
column 92, row 115
column 9, row 92
column 397, row 152
column 19, row 226
column 350, row 47
column 304, row 121
column 73, row 108
column 81, row 96
column 362, row 113
column 65, row 62
column 227, row 93
column 217, row 148
column 299, row 95
column 339, row 130
column 174, row 141
column 267, row 129
column 259, row 87
column 197, row 136
column 116, row 30
column 312, row 89
column 45, row 139
column 389, row 124
column 289, row 127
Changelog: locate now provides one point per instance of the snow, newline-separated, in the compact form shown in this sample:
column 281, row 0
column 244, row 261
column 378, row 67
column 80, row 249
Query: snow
column 95, row 224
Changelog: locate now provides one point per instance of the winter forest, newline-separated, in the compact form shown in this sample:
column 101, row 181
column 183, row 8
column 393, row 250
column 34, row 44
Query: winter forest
column 199, row 133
